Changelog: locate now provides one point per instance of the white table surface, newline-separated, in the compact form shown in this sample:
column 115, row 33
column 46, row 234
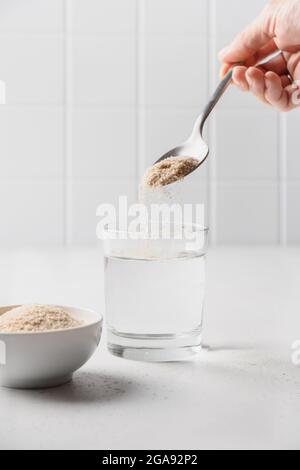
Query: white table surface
column 244, row 393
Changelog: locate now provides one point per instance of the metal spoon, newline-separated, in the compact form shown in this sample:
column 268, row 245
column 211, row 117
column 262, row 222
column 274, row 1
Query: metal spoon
column 195, row 146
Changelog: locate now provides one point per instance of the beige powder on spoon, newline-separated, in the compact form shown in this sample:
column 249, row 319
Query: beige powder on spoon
column 169, row 171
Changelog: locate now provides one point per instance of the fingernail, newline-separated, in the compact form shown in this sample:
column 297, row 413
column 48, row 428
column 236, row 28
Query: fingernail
column 268, row 82
column 223, row 70
column 250, row 81
column 241, row 86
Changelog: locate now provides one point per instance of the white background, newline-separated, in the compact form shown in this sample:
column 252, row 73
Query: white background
column 98, row 89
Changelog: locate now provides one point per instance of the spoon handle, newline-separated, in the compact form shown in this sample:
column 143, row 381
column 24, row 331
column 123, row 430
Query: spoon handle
column 222, row 87
column 224, row 84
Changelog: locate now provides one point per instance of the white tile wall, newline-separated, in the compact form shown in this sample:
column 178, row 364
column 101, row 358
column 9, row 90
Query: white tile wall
column 103, row 16
column 103, row 70
column 174, row 74
column 98, row 89
column 233, row 15
column 247, row 146
column 247, row 212
column 32, row 67
column 86, row 196
column 293, row 219
column 31, row 143
column 169, row 16
column 292, row 169
column 292, row 143
column 99, row 138
column 31, row 213
column 31, row 16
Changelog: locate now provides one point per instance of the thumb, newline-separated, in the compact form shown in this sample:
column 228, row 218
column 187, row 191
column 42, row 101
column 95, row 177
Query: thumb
column 248, row 42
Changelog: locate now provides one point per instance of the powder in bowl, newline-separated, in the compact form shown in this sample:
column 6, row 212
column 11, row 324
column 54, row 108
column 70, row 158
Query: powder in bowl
column 37, row 318
column 169, row 171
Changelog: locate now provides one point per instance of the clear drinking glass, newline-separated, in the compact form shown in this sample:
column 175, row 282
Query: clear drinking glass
column 154, row 292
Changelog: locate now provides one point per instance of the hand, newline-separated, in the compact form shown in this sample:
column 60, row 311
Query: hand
column 278, row 82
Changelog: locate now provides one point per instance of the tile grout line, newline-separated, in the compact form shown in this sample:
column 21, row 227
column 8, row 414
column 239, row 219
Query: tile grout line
column 68, row 127
column 112, row 32
column 282, row 155
column 100, row 106
column 212, row 197
column 140, row 70
column 64, row 110
column 137, row 123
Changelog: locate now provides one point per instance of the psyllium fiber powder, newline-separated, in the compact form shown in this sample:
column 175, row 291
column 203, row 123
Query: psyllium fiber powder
column 36, row 318
column 169, row 171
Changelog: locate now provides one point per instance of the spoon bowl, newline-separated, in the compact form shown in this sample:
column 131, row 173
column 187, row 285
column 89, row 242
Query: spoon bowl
column 191, row 148
column 194, row 147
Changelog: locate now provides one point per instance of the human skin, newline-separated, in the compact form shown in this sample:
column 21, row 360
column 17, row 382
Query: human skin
column 278, row 82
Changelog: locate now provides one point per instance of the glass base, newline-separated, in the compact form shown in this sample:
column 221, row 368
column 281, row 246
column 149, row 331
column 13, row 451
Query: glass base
column 154, row 348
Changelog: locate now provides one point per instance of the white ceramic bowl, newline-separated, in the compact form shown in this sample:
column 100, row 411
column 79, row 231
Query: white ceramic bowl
column 48, row 359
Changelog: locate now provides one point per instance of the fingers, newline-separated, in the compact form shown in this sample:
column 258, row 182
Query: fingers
column 269, row 87
column 252, row 79
column 239, row 78
column 277, row 65
column 256, row 82
column 266, row 50
column 285, row 80
column 277, row 95
column 248, row 42
column 223, row 70
column 294, row 64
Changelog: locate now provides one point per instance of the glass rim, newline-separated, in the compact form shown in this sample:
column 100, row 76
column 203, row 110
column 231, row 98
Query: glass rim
column 195, row 227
